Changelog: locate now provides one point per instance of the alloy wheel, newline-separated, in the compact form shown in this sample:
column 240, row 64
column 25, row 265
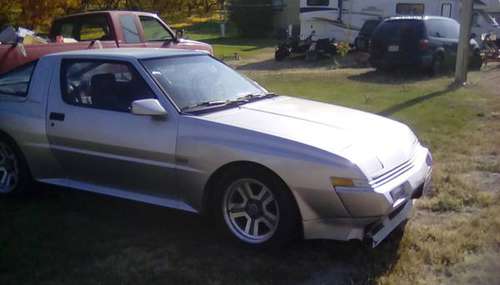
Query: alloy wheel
column 9, row 169
column 251, row 211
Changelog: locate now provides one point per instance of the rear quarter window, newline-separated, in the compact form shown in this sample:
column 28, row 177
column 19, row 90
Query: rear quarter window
column 442, row 28
column 83, row 28
column 17, row 82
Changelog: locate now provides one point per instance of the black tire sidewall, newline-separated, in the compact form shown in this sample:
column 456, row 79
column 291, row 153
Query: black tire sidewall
column 437, row 67
column 24, row 173
column 288, row 226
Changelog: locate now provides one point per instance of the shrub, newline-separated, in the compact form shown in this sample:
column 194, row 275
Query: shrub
column 343, row 48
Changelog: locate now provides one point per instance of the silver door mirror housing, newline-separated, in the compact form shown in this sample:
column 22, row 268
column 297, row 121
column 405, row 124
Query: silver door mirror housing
column 148, row 107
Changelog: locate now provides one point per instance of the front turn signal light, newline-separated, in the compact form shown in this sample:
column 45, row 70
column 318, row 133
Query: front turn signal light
column 342, row 182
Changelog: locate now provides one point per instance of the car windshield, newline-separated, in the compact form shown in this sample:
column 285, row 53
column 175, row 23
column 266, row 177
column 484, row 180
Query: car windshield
column 369, row 27
column 200, row 82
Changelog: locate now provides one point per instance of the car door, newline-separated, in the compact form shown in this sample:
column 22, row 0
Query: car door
column 95, row 137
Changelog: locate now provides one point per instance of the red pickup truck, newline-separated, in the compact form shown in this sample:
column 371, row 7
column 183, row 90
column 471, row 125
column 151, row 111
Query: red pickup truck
column 103, row 29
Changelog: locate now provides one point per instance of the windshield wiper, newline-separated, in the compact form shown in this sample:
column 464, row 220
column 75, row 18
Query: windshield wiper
column 205, row 104
column 248, row 98
column 252, row 97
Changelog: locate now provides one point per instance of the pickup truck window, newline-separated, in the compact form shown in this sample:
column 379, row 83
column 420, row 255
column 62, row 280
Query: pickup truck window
column 107, row 85
column 16, row 82
column 130, row 33
column 94, row 28
column 83, row 28
column 153, row 30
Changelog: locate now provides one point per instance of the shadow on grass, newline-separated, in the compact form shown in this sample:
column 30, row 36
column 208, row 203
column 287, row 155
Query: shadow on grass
column 61, row 235
column 396, row 76
column 415, row 101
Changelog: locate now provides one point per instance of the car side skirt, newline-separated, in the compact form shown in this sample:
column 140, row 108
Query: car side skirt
column 148, row 199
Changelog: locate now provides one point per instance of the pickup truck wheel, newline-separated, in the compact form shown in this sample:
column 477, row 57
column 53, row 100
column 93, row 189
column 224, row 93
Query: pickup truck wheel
column 257, row 209
column 14, row 174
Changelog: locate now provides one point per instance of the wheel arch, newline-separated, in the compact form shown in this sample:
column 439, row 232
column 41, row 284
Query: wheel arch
column 210, row 191
column 440, row 52
column 12, row 141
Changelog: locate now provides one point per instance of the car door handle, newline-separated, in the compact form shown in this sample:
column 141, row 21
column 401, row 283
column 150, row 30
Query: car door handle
column 57, row 117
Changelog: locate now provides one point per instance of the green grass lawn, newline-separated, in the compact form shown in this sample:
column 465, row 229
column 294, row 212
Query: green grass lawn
column 59, row 236
column 231, row 44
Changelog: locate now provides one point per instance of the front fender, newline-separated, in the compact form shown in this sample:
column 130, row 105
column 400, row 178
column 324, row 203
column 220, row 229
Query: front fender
column 204, row 147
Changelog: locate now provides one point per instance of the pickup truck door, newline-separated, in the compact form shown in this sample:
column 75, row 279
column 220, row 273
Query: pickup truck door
column 155, row 33
column 127, row 30
column 98, row 141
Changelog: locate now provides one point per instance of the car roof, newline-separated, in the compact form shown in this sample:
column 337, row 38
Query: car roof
column 128, row 53
column 109, row 12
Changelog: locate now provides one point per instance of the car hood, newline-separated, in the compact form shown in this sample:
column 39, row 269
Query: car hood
column 193, row 45
column 374, row 143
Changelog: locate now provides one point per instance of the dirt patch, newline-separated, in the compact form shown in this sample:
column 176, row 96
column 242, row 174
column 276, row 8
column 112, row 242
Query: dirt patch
column 485, row 181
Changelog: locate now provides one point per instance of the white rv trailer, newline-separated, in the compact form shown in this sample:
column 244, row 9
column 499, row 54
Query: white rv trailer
column 342, row 19
column 493, row 8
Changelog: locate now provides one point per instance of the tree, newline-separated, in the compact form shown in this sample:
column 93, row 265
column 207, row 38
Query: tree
column 253, row 18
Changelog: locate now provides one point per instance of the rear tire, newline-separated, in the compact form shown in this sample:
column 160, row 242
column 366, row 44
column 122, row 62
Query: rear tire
column 437, row 67
column 256, row 208
column 15, row 177
column 281, row 54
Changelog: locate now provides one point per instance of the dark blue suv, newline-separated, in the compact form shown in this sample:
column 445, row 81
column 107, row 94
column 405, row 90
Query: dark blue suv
column 428, row 43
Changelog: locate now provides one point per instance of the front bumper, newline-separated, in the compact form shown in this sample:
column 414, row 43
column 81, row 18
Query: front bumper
column 377, row 210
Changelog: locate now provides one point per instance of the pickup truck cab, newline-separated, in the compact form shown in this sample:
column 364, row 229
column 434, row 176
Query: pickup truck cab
column 102, row 29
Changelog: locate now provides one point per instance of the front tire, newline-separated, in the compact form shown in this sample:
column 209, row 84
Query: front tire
column 14, row 173
column 257, row 209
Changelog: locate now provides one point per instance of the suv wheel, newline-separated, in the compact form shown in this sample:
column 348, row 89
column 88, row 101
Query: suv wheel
column 257, row 209
column 437, row 65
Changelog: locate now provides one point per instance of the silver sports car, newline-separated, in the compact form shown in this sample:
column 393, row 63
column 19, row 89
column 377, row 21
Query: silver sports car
column 182, row 130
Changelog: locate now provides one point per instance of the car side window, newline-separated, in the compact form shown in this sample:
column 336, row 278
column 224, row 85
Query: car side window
column 129, row 29
column 106, row 85
column 16, row 82
column 154, row 30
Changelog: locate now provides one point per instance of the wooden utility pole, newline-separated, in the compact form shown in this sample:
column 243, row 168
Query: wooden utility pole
column 464, row 42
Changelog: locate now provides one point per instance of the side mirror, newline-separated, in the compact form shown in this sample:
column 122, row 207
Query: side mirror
column 148, row 107
column 179, row 34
